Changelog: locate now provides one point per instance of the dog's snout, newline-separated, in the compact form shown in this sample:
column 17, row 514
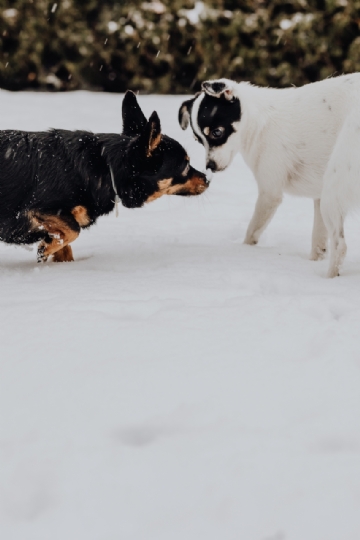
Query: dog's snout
column 211, row 165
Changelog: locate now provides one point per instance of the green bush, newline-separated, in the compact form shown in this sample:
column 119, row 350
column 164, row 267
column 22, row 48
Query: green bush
column 169, row 46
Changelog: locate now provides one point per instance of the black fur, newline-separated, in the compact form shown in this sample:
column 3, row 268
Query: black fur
column 217, row 87
column 51, row 173
column 214, row 112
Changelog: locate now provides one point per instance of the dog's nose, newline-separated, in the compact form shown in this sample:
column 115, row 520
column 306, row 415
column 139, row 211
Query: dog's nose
column 211, row 165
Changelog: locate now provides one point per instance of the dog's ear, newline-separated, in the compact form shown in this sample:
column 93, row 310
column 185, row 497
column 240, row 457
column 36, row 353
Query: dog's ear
column 185, row 112
column 152, row 134
column 134, row 120
column 219, row 88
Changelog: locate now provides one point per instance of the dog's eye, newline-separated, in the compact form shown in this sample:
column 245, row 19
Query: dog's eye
column 217, row 133
column 186, row 170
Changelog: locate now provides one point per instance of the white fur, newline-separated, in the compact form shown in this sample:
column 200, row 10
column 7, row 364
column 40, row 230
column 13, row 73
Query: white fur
column 303, row 141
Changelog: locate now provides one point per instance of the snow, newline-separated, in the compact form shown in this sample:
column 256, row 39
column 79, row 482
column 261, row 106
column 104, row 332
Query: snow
column 172, row 383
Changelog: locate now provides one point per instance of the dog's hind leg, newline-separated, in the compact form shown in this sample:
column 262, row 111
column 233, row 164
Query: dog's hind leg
column 319, row 235
column 341, row 188
column 60, row 231
column 63, row 255
column 333, row 211
column 337, row 243
column 265, row 208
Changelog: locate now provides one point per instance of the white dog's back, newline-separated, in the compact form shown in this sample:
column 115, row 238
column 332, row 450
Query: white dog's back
column 292, row 131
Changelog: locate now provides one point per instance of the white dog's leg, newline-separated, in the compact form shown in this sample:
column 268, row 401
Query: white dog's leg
column 265, row 208
column 319, row 235
column 333, row 216
column 338, row 249
column 341, row 187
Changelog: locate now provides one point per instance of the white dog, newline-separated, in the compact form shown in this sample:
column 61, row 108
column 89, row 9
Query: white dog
column 303, row 141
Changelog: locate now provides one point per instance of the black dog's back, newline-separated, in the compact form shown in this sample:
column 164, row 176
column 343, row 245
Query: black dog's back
column 45, row 169
column 18, row 169
column 49, row 172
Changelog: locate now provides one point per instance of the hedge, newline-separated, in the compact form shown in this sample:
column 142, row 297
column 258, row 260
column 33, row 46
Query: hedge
column 166, row 46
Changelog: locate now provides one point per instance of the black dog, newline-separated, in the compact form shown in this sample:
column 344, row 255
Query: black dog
column 53, row 184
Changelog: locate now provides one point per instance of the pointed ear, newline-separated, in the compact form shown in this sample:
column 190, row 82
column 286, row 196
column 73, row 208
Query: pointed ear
column 185, row 112
column 134, row 120
column 152, row 133
column 218, row 89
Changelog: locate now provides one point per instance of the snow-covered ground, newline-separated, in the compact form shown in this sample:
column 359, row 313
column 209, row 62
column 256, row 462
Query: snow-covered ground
column 172, row 383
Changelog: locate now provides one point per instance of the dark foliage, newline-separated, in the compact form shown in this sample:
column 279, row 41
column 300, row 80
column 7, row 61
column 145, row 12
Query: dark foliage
column 170, row 46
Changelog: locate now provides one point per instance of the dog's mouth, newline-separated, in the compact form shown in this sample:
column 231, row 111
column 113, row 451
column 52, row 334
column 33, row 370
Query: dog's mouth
column 195, row 185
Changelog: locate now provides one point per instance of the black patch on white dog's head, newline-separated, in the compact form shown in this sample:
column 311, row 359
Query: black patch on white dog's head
column 216, row 118
column 185, row 111
column 219, row 88
column 219, row 109
column 213, row 87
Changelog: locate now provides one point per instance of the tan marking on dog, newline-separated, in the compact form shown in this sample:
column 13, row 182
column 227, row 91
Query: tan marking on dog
column 57, row 229
column 163, row 185
column 63, row 255
column 154, row 142
column 207, row 130
column 81, row 215
column 193, row 186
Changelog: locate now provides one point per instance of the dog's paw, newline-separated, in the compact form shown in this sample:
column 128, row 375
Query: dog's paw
column 333, row 272
column 318, row 255
column 41, row 257
column 250, row 241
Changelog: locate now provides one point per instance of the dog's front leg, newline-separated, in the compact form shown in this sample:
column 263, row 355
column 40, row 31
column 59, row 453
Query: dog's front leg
column 319, row 235
column 333, row 217
column 338, row 248
column 61, row 230
column 265, row 208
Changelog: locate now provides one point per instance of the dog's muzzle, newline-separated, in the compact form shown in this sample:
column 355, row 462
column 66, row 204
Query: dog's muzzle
column 211, row 165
